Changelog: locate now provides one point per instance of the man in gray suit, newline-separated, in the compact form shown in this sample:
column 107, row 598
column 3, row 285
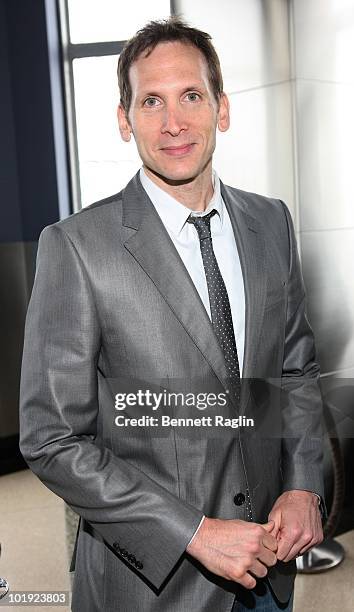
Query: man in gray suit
column 182, row 284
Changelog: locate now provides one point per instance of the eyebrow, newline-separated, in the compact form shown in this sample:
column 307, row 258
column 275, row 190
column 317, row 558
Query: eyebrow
column 195, row 86
column 192, row 87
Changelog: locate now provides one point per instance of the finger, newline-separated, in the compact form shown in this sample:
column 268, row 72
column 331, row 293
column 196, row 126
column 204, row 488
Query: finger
column 292, row 554
column 269, row 526
column 276, row 517
column 305, row 549
column 284, row 547
column 267, row 557
column 247, row 581
column 302, row 544
column 258, row 569
column 275, row 531
column 314, row 542
column 270, row 542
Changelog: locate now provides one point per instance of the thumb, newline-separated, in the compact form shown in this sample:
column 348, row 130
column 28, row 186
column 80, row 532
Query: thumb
column 269, row 526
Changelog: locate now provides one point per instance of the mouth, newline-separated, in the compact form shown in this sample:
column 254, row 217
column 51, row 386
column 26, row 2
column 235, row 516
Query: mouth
column 178, row 151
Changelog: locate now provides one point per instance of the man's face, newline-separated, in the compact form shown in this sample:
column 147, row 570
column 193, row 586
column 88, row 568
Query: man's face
column 173, row 114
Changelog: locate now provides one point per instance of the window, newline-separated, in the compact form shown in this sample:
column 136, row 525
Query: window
column 93, row 34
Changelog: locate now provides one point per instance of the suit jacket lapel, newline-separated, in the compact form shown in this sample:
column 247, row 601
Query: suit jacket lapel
column 155, row 252
column 251, row 247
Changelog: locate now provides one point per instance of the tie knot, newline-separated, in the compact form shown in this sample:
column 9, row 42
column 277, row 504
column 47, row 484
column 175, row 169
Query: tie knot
column 202, row 224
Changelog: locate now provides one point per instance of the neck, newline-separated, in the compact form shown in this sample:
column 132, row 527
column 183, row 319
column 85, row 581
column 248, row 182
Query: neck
column 194, row 193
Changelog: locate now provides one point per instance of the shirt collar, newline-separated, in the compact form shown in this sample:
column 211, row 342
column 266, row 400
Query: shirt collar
column 173, row 214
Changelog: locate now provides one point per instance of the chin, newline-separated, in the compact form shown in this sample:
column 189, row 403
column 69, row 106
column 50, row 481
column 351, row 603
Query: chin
column 176, row 175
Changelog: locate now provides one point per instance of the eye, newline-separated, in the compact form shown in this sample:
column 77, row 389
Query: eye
column 193, row 96
column 151, row 102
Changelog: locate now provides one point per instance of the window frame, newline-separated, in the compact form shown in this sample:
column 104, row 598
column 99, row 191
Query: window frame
column 71, row 51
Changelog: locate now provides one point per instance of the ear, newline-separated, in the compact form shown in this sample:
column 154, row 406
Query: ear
column 224, row 113
column 124, row 125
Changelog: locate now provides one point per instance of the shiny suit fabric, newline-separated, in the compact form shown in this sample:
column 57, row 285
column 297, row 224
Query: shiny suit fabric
column 112, row 301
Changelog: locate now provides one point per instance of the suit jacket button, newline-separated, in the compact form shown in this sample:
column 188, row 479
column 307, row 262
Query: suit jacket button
column 124, row 552
column 239, row 499
column 139, row 565
column 116, row 545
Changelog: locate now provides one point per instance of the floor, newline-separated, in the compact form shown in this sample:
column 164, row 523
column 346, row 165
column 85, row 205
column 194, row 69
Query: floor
column 35, row 558
column 32, row 536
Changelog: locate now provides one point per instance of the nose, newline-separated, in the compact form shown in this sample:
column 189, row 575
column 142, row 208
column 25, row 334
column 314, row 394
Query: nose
column 174, row 121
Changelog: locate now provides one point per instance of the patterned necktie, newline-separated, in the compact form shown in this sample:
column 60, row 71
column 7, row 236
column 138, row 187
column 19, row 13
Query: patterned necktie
column 219, row 301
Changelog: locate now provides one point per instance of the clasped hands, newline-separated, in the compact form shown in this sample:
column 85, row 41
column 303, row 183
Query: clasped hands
column 243, row 551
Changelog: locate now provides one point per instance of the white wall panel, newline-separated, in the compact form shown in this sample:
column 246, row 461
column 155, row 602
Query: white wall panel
column 325, row 124
column 256, row 154
column 328, row 273
column 251, row 38
column 324, row 31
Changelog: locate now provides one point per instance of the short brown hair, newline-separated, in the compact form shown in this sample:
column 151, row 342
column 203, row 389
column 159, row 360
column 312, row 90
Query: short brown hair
column 167, row 30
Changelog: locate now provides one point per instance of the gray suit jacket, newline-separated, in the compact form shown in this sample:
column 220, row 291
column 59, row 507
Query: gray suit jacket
column 112, row 301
